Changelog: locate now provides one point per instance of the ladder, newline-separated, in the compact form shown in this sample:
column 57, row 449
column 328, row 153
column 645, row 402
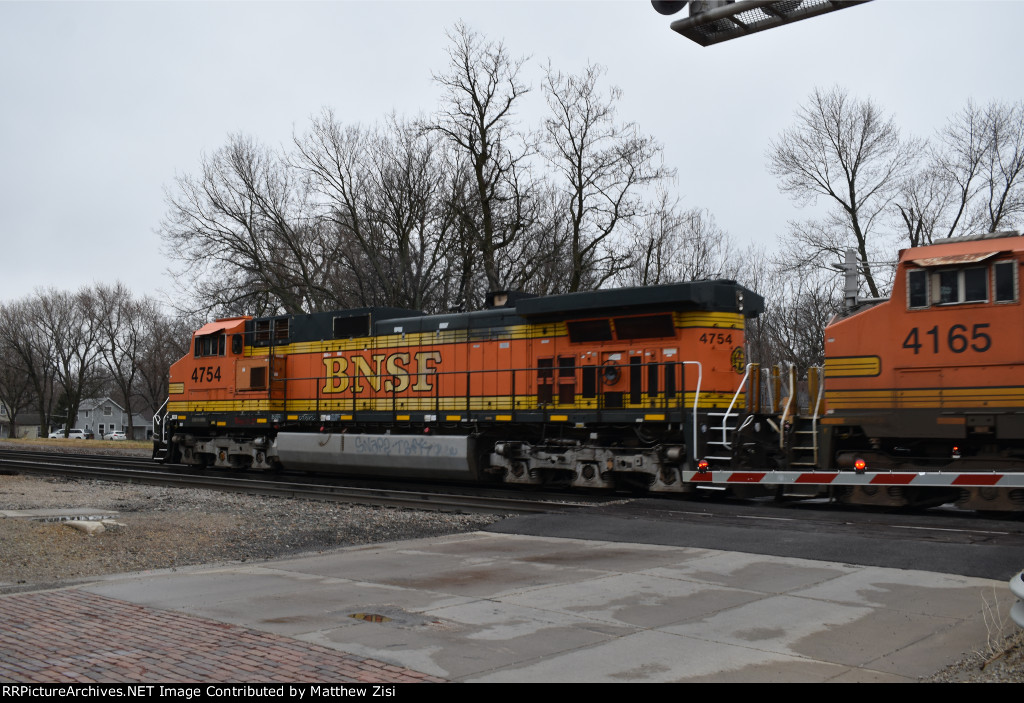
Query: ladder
column 803, row 438
column 722, row 429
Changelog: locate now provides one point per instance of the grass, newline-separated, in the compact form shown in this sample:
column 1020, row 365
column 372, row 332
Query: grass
column 86, row 443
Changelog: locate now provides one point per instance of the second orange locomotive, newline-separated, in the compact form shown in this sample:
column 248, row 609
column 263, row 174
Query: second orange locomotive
column 932, row 380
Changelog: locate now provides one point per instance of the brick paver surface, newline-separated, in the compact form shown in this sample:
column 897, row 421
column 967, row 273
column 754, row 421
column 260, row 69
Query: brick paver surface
column 73, row 636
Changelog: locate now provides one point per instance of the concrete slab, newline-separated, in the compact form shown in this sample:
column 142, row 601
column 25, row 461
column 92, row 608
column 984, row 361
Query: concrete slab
column 502, row 607
column 943, row 595
column 480, row 636
column 335, row 605
column 657, row 657
column 198, row 588
column 593, row 554
column 638, row 600
column 763, row 574
column 884, row 641
column 422, row 565
column 772, row 624
column 798, row 672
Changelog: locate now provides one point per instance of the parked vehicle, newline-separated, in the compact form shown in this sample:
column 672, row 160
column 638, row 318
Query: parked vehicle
column 115, row 435
column 73, row 434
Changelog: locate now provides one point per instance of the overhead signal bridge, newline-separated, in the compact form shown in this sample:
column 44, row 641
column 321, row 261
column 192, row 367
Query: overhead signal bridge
column 715, row 21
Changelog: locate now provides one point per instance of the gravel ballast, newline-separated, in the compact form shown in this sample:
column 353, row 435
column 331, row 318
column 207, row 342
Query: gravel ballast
column 171, row 527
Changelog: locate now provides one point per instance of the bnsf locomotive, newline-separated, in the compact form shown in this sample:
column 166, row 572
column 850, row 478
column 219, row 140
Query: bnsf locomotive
column 921, row 400
column 586, row 389
column 932, row 380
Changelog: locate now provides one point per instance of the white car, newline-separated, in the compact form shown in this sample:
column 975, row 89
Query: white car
column 116, row 434
column 72, row 434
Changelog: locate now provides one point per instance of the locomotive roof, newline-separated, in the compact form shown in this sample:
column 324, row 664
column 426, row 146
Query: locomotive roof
column 972, row 247
column 719, row 295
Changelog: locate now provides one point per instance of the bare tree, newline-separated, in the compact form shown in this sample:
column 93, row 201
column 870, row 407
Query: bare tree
column 1002, row 167
column 243, row 231
column 29, row 349
column 848, row 151
column 498, row 205
column 955, row 162
column 923, row 206
column 798, row 306
column 602, row 166
column 971, row 179
column 387, row 195
column 935, row 201
column 125, row 325
column 335, row 159
column 545, row 262
column 16, row 390
column 410, row 212
column 676, row 245
column 165, row 341
column 69, row 320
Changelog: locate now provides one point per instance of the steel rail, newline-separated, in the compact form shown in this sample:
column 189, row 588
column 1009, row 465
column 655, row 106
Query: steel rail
column 308, row 491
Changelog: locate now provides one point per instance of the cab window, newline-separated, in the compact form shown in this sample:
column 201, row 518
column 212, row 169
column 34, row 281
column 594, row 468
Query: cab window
column 1005, row 273
column 917, row 288
column 956, row 286
column 962, row 286
column 210, row 345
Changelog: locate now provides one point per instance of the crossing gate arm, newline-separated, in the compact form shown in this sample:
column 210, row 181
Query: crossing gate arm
column 937, row 479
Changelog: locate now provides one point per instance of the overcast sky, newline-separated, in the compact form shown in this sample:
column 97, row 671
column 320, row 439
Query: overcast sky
column 103, row 103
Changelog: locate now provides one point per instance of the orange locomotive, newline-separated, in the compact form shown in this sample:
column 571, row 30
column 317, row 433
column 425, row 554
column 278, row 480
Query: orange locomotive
column 923, row 400
column 933, row 379
column 588, row 389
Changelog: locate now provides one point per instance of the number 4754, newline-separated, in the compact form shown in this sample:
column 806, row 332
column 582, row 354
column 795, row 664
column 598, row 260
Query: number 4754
column 206, row 374
column 956, row 339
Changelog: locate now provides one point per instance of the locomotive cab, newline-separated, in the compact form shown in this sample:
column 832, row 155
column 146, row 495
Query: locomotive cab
column 200, row 382
column 216, row 347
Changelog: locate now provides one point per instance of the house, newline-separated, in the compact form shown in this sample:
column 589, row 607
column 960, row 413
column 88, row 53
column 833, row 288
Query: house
column 104, row 415
column 27, row 427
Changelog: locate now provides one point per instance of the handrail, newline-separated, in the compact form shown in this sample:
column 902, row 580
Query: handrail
column 728, row 411
column 696, row 396
column 789, row 405
column 815, row 415
column 158, row 419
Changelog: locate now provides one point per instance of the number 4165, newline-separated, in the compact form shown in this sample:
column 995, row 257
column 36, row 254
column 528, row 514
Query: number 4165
column 956, row 339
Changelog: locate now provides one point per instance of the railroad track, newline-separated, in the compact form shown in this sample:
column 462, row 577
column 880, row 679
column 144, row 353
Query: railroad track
column 139, row 470
column 466, row 498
